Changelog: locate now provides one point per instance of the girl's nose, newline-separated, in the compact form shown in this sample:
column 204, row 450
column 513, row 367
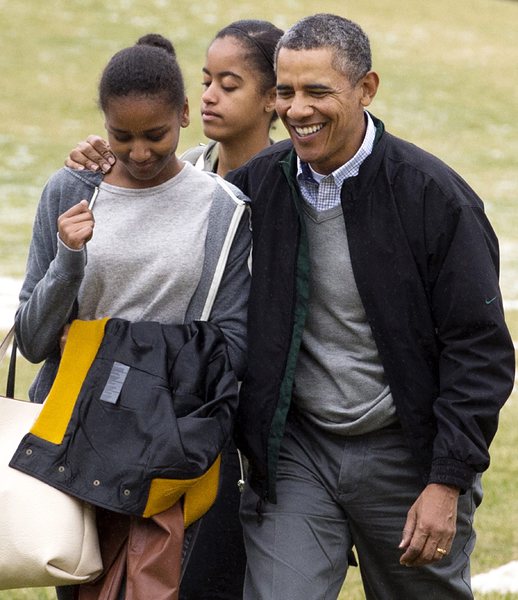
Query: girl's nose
column 209, row 95
column 139, row 151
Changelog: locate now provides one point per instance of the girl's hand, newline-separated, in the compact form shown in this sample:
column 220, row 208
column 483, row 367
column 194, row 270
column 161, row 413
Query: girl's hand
column 76, row 226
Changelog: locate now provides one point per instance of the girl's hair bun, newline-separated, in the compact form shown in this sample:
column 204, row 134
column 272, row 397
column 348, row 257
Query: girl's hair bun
column 158, row 41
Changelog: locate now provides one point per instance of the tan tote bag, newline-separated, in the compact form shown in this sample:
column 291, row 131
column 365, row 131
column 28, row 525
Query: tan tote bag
column 47, row 538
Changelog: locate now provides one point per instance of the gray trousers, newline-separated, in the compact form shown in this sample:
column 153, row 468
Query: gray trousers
column 335, row 494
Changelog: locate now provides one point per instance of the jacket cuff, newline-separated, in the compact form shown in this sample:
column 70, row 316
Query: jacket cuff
column 448, row 471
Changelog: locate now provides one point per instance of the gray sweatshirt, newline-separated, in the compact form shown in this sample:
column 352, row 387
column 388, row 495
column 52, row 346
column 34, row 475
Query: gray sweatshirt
column 54, row 274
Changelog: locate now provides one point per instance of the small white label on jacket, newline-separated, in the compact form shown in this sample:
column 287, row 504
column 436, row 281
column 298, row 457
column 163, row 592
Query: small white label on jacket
column 116, row 380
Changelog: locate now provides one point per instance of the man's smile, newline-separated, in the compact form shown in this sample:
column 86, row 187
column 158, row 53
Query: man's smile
column 308, row 130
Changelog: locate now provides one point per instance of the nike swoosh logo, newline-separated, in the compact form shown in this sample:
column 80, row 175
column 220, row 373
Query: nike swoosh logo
column 491, row 300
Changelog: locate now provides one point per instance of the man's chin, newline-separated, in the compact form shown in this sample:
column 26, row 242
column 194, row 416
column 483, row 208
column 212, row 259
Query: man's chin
column 309, row 158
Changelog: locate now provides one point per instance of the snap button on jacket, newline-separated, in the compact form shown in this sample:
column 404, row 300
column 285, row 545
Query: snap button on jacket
column 136, row 418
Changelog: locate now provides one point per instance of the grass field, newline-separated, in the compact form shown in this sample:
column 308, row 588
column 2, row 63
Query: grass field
column 448, row 83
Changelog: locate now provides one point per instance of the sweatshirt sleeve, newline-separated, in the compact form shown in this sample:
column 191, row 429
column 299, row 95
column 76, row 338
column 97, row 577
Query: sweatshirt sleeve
column 230, row 306
column 52, row 280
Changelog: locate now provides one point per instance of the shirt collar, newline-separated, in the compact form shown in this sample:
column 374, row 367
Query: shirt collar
column 351, row 167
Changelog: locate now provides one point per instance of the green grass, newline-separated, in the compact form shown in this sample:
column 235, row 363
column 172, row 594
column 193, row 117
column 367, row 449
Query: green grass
column 448, row 83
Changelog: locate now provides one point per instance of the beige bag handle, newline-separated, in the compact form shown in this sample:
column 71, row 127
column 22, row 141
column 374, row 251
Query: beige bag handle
column 9, row 392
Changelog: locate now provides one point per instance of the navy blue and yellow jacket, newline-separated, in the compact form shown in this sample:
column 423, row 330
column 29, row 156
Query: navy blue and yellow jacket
column 136, row 417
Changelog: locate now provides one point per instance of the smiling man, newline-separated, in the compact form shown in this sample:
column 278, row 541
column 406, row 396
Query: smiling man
column 378, row 356
column 323, row 109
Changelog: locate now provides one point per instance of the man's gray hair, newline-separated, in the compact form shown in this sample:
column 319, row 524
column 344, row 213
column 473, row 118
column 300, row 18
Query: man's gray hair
column 350, row 44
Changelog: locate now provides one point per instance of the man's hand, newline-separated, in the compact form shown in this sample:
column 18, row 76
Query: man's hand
column 76, row 226
column 430, row 526
column 93, row 154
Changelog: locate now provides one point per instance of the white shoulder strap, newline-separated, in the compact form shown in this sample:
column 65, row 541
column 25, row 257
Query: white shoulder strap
column 225, row 250
column 200, row 163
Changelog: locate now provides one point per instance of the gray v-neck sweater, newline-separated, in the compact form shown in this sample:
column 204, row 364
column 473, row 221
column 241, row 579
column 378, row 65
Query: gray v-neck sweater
column 339, row 379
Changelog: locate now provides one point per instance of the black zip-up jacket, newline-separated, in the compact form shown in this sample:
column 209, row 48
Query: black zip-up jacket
column 137, row 417
column 425, row 260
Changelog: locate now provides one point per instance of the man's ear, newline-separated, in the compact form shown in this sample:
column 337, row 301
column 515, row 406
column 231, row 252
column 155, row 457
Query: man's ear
column 369, row 84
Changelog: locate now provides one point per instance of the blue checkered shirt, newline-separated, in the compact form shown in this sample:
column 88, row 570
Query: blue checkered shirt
column 322, row 192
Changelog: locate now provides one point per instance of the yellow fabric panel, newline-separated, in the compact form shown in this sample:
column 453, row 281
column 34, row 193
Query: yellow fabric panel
column 200, row 494
column 83, row 341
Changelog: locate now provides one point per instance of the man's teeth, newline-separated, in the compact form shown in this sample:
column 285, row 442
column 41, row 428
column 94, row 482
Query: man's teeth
column 302, row 131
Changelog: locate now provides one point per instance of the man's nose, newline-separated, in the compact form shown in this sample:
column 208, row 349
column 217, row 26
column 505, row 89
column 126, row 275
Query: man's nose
column 300, row 107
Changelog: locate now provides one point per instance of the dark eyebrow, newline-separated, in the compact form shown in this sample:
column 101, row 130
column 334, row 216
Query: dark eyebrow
column 154, row 130
column 317, row 86
column 311, row 86
column 223, row 74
